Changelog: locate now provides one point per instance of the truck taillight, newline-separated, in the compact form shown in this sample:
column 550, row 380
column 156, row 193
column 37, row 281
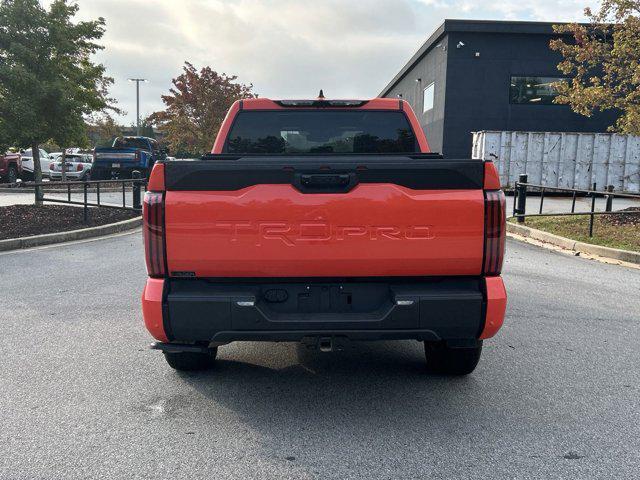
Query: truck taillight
column 494, row 231
column 153, row 215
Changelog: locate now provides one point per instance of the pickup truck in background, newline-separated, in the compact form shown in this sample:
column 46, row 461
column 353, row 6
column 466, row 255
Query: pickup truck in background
column 323, row 222
column 126, row 155
column 10, row 167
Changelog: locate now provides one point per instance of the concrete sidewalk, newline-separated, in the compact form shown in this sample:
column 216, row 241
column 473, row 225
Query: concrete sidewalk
column 15, row 197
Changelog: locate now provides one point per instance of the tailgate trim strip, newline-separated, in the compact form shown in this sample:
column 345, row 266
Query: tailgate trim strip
column 235, row 173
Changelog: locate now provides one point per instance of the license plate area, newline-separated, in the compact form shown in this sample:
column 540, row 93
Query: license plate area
column 319, row 305
column 330, row 298
column 115, row 165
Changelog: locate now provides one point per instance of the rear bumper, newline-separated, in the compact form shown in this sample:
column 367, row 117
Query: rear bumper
column 58, row 175
column 107, row 171
column 450, row 308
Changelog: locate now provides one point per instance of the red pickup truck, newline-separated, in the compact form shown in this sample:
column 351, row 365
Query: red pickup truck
column 323, row 222
column 10, row 167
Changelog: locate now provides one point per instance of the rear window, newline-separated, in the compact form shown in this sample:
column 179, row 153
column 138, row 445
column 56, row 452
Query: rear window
column 129, row 142
column 321, row 131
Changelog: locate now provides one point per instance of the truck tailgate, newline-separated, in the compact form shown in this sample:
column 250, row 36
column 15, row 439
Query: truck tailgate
column 314, row 217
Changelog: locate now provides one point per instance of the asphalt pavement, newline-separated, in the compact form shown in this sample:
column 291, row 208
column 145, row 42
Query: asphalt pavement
column 556, row 393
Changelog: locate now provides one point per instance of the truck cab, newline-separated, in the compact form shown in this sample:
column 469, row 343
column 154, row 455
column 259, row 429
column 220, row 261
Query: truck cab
column 324, row 222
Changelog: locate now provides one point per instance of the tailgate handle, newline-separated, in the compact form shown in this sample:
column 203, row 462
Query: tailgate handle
column 326, row 182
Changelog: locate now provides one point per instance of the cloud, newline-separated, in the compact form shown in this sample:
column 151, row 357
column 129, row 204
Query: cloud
column 540, row 10
column 286, row 48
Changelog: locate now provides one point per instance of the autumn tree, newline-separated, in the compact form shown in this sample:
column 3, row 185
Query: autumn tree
column 602, row 61
column 48, row 83
column 195, row 107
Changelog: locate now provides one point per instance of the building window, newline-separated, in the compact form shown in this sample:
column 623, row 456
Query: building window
column 427, row 97
column 533, row 90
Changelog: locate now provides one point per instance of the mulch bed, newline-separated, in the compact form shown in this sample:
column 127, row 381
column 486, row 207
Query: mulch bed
column 27, row 220
column 624, row 219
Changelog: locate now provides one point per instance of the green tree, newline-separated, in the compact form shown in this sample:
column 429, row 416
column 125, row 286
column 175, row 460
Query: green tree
column 603, row 60
column 48, row 83
column 146, row 127
column 196, row 107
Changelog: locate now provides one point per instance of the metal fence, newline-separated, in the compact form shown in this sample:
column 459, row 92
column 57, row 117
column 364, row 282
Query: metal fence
column 523, row 188
column 138, row 185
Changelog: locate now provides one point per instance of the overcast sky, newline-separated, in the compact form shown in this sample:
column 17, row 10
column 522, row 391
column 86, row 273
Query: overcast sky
column 285, row 48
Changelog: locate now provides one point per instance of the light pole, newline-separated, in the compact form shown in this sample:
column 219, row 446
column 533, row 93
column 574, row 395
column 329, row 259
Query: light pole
column 137, row 80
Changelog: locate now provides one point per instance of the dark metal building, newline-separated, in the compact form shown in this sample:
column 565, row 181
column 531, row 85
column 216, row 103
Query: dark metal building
column 486, row 75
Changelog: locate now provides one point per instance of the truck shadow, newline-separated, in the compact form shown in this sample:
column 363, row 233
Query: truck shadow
column 332, row 399
column 379, row 370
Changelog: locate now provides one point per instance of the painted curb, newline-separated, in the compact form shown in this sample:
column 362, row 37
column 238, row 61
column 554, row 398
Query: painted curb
column 71, row 235
column 566, row 243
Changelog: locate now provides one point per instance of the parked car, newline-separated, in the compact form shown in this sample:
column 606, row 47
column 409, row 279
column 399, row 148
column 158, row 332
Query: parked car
column 324, row 222
column 27, row 163
column 126, row 155
column 77, row 167
column 10, row 167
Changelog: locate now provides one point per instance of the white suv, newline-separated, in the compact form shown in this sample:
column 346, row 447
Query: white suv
column 27, row 163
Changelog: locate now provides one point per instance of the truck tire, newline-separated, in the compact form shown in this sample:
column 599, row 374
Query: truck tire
column 100, row 174
column 446, row 360
column 12, row 174
column 191, row 361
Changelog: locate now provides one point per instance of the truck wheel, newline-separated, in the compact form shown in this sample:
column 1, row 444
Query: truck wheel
column 190, row 361
column 451, row 361
column 12, row 174
column 100, row 174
